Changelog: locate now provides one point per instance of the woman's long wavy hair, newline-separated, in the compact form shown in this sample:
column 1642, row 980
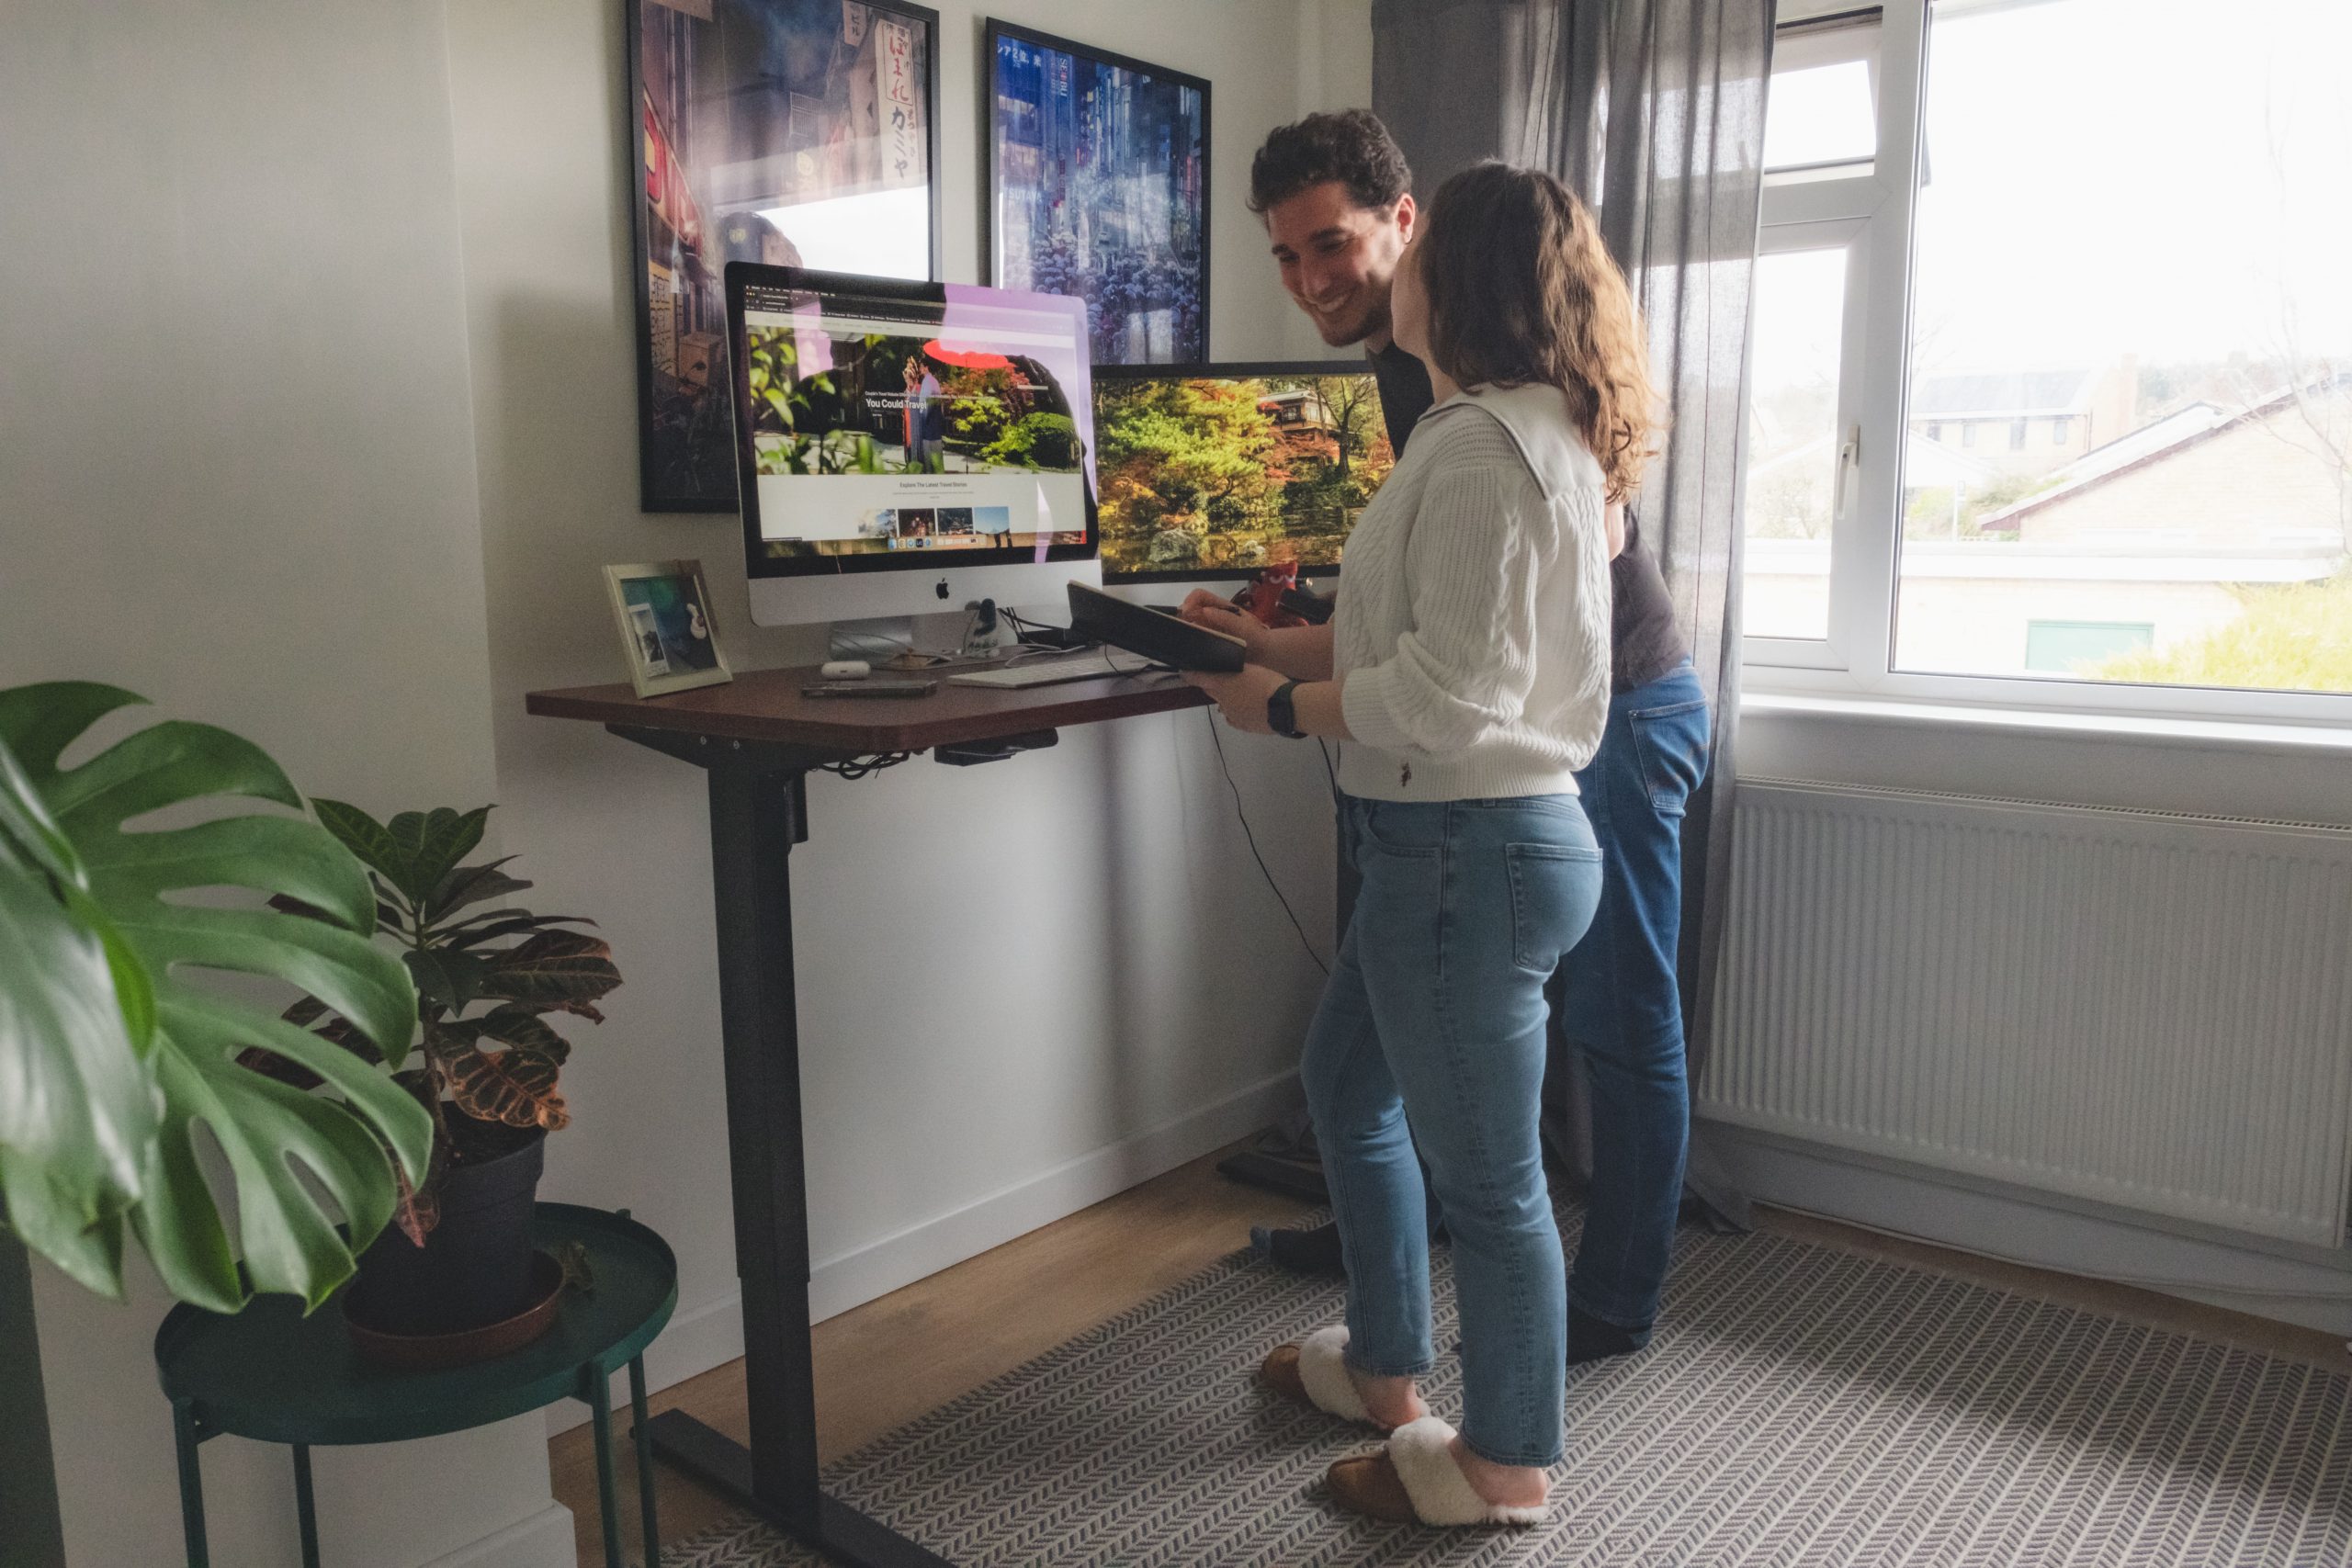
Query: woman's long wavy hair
column 1521, row 292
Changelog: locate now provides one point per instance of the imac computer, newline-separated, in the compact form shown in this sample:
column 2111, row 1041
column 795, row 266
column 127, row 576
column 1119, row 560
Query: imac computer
column 904, row 448
column 1216, row 471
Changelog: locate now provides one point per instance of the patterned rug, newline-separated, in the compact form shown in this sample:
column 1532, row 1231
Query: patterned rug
column 1799, row 1406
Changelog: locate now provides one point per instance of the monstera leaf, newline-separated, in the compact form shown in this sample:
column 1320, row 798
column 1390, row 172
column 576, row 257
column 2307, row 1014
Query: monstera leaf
column 78, row 1106
column 278, row 1142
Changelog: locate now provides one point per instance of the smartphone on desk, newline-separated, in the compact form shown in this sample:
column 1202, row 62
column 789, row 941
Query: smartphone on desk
column 872, row 689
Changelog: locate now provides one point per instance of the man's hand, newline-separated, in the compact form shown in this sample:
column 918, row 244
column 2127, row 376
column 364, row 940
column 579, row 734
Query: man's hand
column 1240, row 698
column 1204, row 608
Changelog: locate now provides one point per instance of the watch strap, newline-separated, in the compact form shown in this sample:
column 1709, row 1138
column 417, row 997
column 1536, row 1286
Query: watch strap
column 1281, row 714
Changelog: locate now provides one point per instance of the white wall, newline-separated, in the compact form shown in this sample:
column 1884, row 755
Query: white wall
column 238, row 450
column 317, row 416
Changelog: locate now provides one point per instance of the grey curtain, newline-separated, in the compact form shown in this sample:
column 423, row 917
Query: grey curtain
column 1653, row 111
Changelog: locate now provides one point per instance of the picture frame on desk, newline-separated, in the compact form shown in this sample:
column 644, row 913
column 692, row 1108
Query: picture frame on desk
column 668, row 633
column 1098, row 185
column 797, row 132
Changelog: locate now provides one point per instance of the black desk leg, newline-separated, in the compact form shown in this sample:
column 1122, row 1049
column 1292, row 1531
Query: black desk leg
column 756, row 815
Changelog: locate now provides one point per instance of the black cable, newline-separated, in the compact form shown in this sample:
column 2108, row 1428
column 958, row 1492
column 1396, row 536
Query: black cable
column 859, row 767
column 1327, row 769
column 1210, row 713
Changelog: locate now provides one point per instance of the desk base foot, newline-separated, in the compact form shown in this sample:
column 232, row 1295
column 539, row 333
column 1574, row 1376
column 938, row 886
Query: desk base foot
column 724, row 1465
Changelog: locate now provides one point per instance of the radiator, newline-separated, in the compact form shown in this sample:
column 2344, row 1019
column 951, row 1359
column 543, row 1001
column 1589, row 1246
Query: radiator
column 2135, row 1007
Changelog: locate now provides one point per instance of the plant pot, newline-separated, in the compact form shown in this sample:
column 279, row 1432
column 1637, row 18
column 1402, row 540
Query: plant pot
column 475, row 1266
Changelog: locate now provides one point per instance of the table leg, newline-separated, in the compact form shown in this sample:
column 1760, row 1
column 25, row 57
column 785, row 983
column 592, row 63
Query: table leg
column 756, row 811
column 599, row 1409
column 645, row 1506
column 185, row 1439
column 306, row 1507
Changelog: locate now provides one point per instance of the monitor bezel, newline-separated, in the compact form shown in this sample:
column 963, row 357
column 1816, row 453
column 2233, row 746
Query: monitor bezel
column 1215, row 370
column 757, row 562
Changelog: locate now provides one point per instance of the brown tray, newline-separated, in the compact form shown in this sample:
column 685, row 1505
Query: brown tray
column 431, row 1352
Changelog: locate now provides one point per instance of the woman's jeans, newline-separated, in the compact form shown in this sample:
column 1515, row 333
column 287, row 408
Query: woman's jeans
column 1436, row 1012
column 1619, row 1004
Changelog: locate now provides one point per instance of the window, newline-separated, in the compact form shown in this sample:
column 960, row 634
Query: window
column 2180, row 542
column 1793, row 441
column 1822, row 113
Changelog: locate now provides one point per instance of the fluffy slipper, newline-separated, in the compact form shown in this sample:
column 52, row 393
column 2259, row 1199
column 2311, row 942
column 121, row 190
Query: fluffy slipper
column 1415, row 1480
column 1315, row 1371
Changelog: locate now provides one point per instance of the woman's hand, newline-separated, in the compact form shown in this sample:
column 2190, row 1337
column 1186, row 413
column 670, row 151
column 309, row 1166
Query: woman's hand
column 1204, row 608
column 1240, row 698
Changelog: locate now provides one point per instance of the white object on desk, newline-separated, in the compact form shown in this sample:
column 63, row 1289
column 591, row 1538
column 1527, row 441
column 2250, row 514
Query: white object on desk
column 1094, row 664
column 846, row 670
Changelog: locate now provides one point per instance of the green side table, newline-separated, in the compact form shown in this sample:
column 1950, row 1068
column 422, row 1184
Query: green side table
column 273, row 1375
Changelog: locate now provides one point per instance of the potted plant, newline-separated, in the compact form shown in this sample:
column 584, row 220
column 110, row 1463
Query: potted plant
column 459, row 1255
column 115, row 1045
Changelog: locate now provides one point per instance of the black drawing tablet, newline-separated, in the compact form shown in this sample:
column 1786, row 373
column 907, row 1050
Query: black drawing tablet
column 1163, row 638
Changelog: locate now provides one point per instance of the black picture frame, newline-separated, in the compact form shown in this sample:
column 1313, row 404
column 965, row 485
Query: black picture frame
column 1188, row 242
column 686, row 432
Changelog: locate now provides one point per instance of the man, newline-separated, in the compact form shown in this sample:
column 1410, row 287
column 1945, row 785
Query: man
column 1336, row 195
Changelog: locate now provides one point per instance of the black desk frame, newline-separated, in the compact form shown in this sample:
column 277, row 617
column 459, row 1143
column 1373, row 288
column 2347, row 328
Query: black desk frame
column 759, row 810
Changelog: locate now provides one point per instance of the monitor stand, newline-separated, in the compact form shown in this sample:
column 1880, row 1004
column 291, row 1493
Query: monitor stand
column 946, row 640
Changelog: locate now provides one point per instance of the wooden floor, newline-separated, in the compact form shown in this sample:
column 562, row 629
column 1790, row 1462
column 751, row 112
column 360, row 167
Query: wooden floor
column 883, row 1364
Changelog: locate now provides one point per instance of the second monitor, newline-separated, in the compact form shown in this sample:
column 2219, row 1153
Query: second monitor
column 1214, row 471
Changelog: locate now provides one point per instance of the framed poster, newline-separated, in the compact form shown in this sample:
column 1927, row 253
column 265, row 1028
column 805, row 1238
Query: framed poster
column 796, row 132
column 1098, row 186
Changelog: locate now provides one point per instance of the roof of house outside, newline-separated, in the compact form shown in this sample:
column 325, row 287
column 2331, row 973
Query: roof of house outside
column 2188, row 433
column 2006, row 394
column 2193, row 419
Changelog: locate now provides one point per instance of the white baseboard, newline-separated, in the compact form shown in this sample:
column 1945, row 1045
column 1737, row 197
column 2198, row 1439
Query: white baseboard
column 543, row 1541
column 2313, row 1290
column 710, row 1333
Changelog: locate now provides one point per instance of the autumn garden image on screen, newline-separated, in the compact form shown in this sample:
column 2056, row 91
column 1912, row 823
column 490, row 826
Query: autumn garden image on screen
column 1202, row 475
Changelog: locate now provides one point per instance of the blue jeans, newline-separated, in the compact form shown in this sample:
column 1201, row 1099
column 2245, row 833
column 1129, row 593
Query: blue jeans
column 1436, row 1012
column 1619, row 1004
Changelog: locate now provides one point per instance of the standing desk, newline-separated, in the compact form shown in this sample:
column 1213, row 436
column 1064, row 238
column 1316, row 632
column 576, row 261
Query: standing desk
column 757, row 739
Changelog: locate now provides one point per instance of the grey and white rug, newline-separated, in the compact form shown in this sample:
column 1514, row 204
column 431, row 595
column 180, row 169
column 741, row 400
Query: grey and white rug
column 1799, row 1406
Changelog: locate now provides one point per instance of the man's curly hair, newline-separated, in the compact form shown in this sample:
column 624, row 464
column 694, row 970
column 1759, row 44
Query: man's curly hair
column 1351, row 146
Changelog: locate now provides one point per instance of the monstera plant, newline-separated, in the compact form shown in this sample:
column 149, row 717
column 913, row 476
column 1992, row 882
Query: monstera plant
column 118, row 1043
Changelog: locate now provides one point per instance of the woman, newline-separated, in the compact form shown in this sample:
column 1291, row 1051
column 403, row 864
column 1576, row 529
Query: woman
column 1469, row 661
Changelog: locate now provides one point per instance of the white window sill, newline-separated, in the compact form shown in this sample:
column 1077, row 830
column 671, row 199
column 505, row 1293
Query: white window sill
column 2234, row 735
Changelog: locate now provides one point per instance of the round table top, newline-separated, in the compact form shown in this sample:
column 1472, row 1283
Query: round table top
column 272, row 1374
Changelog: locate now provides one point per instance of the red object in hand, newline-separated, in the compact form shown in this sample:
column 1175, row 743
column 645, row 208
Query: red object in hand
column 1263, row 597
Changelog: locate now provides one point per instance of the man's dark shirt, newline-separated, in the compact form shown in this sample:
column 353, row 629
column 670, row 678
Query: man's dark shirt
column 1642, row 641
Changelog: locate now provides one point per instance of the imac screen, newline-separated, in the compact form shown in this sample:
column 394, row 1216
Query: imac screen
column 883, row 425
column 1217, row 470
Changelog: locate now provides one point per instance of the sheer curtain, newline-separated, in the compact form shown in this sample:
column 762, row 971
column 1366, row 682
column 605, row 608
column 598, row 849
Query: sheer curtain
column 1653, row 110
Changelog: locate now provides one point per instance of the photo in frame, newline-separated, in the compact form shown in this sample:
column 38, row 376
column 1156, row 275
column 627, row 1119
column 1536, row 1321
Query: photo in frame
column 800, row 132
column 667, row 630
column 1097, row 174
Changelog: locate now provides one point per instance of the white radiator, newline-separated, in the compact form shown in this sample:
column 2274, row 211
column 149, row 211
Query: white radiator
column 2140, row 1009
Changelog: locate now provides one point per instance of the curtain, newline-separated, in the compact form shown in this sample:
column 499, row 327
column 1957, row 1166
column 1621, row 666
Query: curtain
column 1653, row 111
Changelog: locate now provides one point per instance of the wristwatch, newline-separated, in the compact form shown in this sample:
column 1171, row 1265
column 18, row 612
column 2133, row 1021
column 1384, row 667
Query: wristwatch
column 1279, row 716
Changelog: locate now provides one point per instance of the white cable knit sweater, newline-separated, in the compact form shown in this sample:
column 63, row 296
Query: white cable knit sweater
column 1472, row 637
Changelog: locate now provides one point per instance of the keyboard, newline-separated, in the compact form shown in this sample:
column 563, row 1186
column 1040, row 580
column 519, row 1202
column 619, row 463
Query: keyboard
column 1094, row 664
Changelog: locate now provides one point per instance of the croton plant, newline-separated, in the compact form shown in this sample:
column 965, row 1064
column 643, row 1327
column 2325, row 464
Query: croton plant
column 486, row 979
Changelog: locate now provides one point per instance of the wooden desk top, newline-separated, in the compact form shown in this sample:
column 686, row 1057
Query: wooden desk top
column 766, row 705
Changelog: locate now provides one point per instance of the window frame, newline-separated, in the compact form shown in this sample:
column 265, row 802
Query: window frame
column 1870, row 207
